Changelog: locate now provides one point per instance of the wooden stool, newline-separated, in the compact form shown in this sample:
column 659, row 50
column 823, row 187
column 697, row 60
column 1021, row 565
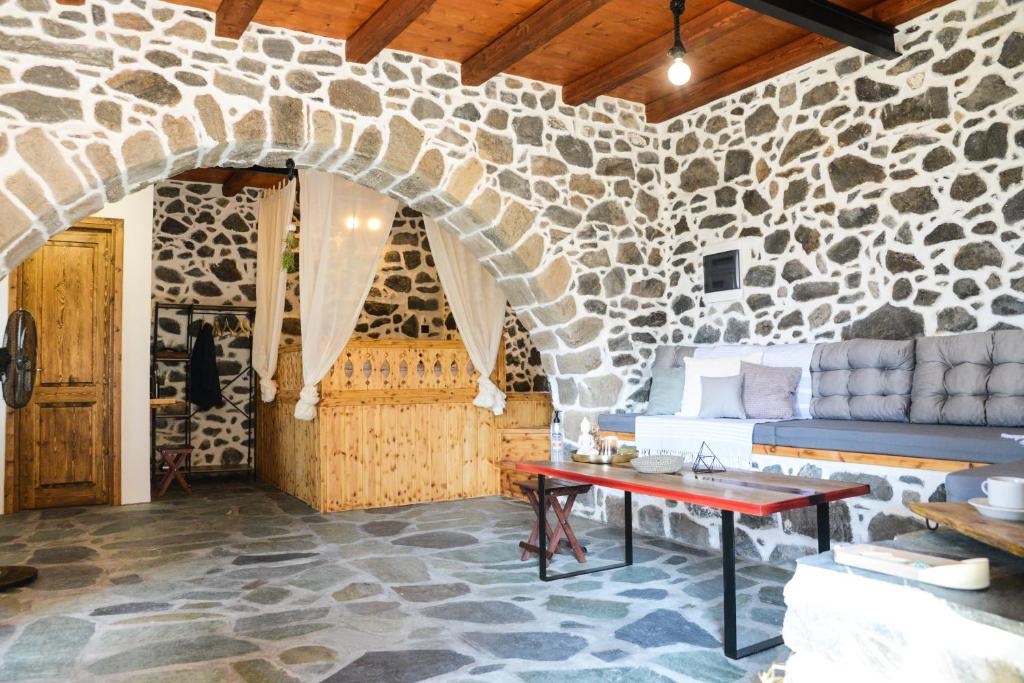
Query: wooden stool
column 552, row 491
column 174, row 458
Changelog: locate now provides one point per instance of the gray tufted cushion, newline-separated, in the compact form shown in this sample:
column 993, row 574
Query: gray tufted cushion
column 862, row 379
column 970, row 379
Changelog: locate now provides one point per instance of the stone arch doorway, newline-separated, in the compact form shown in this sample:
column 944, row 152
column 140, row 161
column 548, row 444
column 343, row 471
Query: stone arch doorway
column 398, row 160
column 542, row 193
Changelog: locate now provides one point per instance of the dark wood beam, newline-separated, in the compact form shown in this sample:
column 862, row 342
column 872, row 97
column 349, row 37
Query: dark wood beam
column 696, row 33
column 778, row 61
column 210, row 176
column 237, row 181
column 528, row 35
column 233, row 16
column 832, row 21
column 383, row 26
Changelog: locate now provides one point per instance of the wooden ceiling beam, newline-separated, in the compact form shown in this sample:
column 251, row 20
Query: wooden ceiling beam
column 383, row 26
column 233, row 16
column 214, row 176
column 238, row 181
column 778, row 61
column 532, row 33
column 696, row 33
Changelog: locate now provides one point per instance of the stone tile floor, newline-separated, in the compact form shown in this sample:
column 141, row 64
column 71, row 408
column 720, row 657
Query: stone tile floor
column 241, row 582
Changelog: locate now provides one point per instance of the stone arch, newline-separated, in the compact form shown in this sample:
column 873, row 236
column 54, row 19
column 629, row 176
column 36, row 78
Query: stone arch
column 398, row 159
column 542, row 193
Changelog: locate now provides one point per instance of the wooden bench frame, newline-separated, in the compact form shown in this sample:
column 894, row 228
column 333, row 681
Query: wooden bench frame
column 878, row 459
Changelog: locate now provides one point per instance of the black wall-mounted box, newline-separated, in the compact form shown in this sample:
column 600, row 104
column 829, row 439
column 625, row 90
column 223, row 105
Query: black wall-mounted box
column 722, row 271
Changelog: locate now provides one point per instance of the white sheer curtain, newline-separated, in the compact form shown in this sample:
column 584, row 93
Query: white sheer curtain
column 478, row 307
column 274, row 214
column 344, row 229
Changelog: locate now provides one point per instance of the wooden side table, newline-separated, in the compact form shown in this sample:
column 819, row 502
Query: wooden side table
column 552, row 493
column 174, row 458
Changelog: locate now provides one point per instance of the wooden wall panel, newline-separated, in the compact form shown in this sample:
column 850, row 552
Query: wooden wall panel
column 396, row 425
column 525, row 410
column 396, row 454
column 520, row 445
column 289, row 456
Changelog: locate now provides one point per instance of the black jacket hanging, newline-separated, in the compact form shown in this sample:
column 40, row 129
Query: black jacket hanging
column 204, row 382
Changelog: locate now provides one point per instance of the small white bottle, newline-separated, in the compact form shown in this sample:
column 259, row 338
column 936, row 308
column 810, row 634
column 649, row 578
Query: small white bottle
column 557, row 438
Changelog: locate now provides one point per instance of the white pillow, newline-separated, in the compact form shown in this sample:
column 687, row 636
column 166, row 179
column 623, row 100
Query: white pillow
column 709, row 367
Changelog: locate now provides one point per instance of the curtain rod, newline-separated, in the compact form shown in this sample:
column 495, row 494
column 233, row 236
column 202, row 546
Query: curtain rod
column 289, row 170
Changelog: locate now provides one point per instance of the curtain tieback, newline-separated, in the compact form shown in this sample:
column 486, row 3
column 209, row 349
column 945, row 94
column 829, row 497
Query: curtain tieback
column 490, row 396
column 305, row 409
column 268, row 389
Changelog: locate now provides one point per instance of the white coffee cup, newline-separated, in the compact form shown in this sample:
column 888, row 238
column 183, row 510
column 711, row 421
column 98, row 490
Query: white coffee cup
column 1005, row 492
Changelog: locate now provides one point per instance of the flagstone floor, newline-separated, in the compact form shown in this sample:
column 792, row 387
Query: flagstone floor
column 243, row 583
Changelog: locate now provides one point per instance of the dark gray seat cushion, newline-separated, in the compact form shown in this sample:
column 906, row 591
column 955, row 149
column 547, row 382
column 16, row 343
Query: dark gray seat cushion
column 963, row 485
column 617, row 422
column 941, row 442
column 970, row 379
column 862, row 379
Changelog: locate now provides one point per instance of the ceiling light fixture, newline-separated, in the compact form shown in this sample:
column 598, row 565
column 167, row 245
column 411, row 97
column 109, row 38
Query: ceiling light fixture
column 679, row 73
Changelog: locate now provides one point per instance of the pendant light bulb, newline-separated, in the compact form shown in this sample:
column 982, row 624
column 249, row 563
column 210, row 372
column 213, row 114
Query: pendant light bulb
column 679, row 73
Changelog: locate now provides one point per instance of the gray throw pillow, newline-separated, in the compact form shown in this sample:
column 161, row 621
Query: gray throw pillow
column 722, row 397
column 666, row 395
column 768, row 392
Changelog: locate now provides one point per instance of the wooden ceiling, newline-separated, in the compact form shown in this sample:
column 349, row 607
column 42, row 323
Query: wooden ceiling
column 590, row 47
column 232, row 181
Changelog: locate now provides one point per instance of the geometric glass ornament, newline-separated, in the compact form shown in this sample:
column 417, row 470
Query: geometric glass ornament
column 707, row 462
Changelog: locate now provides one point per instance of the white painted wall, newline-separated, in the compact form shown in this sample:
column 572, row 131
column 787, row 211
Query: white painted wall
column 137, row 212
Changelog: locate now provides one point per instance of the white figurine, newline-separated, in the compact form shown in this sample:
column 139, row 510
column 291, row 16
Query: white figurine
column 586, row 445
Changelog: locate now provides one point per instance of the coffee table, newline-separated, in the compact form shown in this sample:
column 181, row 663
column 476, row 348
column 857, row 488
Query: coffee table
column 753, row 493
column 964, row 519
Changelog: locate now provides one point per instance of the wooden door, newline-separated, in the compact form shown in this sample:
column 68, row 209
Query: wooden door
column 67, row 437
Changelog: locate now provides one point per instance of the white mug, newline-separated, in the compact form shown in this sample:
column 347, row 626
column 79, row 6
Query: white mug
column 1005, row 492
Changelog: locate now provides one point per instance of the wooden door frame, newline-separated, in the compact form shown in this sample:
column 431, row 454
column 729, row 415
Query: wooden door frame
column 11, row 493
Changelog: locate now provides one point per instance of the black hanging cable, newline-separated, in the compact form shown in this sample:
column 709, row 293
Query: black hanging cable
column 677, row 7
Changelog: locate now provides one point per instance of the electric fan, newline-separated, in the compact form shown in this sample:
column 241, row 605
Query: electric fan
column 18, row 376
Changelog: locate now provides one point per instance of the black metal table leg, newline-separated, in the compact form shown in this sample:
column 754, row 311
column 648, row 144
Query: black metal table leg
column 824, row 529
column 729, row 593
column 542, row 539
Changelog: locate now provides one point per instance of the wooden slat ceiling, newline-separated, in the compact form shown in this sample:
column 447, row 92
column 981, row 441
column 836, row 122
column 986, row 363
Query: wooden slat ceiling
column 734, row 47
column 232, row 181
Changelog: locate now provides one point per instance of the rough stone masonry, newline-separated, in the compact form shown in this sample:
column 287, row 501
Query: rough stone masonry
column 886, row 197
column 204, row 252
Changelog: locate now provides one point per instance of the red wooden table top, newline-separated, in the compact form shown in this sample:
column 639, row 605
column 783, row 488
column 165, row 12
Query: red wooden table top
column 752, row 493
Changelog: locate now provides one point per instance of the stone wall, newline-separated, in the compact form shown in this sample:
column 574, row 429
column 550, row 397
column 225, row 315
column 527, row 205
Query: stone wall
column 562, row 203
column 884, row 197
column 204, row 252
